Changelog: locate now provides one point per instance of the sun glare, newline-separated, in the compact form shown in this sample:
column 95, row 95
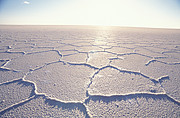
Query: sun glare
column 103, row 12
column 133, row 13
column 113, row 13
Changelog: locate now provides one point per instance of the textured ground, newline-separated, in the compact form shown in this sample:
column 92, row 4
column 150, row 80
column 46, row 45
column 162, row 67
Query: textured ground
column 73, row 71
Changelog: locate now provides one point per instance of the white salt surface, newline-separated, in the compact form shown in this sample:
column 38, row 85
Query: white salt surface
column 133, row 106
column 33, row 60
column 111, row 81
column 62, row 81
column 14, row 92
column 83, row 71
column 41, row 107
column 99, row 59
column 77, row 57
column 9, row 75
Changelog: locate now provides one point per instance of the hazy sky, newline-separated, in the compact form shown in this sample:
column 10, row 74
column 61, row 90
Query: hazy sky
column 136, row 13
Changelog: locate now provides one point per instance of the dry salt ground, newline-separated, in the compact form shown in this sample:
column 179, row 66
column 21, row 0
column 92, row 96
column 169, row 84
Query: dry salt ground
column 83, row 71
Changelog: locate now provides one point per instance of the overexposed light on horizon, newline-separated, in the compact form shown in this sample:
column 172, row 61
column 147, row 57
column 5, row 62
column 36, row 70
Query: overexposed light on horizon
column 26, row 2
column 113, row 13
column 133, row 13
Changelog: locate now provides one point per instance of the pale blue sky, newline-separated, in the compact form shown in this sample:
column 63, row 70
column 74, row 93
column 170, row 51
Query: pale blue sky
column 133, row 13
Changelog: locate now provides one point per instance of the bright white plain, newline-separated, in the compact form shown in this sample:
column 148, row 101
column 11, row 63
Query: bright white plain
column 85, row 71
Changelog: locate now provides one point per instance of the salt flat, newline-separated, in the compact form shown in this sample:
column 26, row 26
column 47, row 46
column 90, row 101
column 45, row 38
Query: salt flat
column 89, row 71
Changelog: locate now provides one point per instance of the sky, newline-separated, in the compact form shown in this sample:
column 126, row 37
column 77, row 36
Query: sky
column 132, row 13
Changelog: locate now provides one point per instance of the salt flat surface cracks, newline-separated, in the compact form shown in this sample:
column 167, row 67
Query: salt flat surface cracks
column 62, row 81
column 33, row 60
column 14, row 92
column 42, row 107
column 132, row 106
column 73, row 71
column 9, row 75
column 110, row 81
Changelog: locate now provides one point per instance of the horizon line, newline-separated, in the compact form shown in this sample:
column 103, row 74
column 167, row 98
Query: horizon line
column 146, row 27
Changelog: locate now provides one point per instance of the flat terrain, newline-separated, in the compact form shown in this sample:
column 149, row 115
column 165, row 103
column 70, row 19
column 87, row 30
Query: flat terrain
column 86, row 71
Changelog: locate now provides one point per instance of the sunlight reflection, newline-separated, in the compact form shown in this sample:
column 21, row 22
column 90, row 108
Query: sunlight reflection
column 102, row 35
